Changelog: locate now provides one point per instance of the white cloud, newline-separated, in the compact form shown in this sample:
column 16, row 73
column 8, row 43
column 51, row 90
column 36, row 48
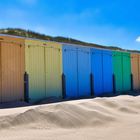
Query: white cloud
column 138, row 39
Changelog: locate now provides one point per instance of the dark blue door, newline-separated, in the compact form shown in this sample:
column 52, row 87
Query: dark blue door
column 107, row 72
column 97, row 71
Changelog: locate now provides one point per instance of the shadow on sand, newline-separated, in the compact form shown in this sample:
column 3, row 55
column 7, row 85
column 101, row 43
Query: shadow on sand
column 58, row 100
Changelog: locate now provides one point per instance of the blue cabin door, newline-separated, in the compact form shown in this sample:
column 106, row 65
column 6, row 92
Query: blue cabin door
column 70, row 71
column 107, row 72
column 97, row 71
column 84, row 70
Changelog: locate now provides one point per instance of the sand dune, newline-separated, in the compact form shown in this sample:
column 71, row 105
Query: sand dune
column 116, row 118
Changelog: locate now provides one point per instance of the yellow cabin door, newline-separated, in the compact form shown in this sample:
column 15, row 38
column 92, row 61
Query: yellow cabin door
column 35, row 68
column 53, row 72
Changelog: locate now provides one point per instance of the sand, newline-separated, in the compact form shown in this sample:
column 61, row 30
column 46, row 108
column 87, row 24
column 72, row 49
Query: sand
column 115, row 118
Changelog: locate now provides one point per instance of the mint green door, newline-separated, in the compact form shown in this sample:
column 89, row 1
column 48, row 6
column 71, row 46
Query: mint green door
column 118, row 70
column 126, row 71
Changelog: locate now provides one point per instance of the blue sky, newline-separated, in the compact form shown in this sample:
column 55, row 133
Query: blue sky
column 106, row 22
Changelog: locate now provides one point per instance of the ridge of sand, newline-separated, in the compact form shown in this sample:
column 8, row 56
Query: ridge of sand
column 73, row 114
column 89, row 114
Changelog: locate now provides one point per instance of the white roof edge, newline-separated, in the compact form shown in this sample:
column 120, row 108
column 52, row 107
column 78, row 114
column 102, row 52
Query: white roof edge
column 62, row 43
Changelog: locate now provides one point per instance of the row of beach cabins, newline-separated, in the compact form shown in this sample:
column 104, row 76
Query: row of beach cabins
column 32, row 70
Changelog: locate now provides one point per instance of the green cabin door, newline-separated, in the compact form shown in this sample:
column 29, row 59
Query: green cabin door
column 126, row 71
column 118, row 70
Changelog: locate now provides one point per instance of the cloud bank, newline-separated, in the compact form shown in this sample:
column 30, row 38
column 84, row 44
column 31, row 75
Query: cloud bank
column 138, row 39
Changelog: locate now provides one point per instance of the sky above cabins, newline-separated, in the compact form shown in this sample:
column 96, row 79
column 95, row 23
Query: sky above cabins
column 115, row 23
